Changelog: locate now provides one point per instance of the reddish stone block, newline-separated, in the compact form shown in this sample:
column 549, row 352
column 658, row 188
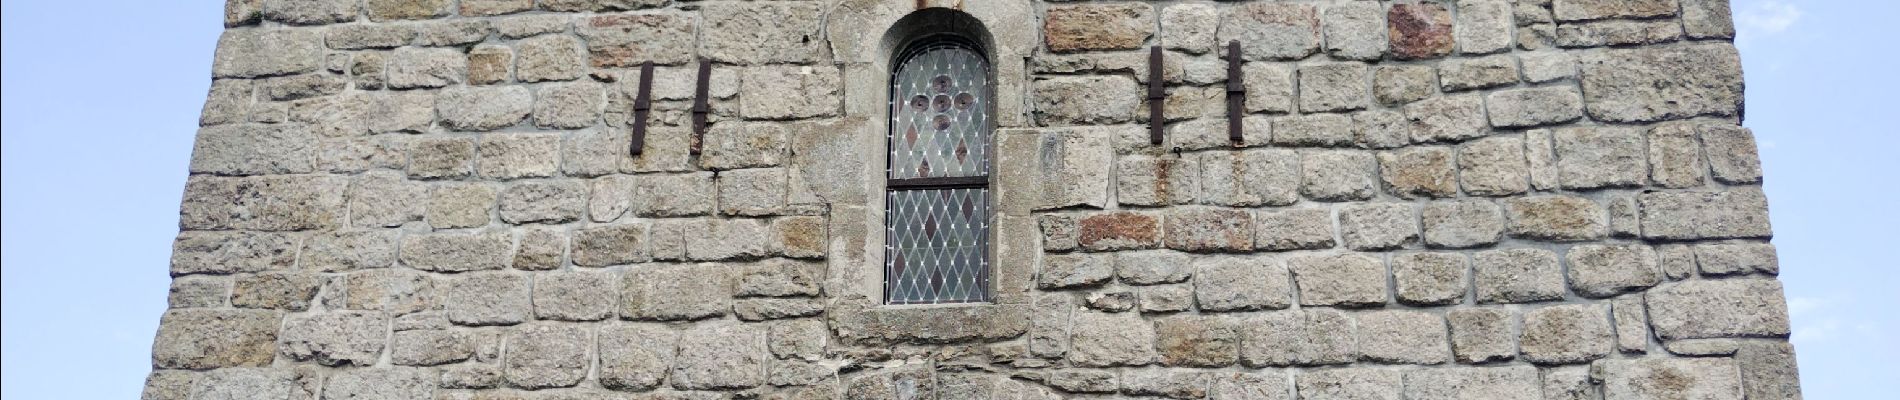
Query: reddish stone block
column 1420, row 30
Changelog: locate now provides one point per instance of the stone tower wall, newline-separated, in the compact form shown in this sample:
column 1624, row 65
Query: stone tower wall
column 1473, row 199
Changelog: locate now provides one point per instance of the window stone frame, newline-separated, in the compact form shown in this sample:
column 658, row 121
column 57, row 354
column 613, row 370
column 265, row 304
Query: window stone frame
column 1006, row 32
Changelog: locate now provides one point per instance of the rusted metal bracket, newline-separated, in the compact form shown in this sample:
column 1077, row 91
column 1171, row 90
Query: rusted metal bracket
column 700, row 109
column 1236, row 93
column 1156, row 96
column 642, row 105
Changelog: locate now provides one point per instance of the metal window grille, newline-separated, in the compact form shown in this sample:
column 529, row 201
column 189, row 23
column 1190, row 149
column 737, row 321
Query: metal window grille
column 937, row 196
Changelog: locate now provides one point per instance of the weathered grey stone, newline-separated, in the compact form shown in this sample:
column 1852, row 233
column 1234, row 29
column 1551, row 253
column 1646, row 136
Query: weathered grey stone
column 172, row 384
column 1737, row 259
column 460, row 205
column 1112, row 301
column 764, row 92
column 483, row 108
column 549, row 58
column 426, row 347
column 267, row 203
column 495, row 7
column 1731, row 152
column 1583, row 10
column 629, row 39
column 1403, row 337
column 251, row 53
column 1661, row 83
column 736, row 145
column 511, row 156
column 1471, row 383
column 486, row 298
column 228, row 101
column 676, row 292
column 1165, row 298
column 471, row 376
column 1555, row 218
column 1462, row 224
column 1617, row 33
column 1542, row 159
column 547, row 356
column 1249, row 178
column 636, row 357
column 1106, row 340
column 1189, row 27
column 1718, row 309
column 341, row 338
column 673, row 195
column 450, row 32
column 1270, row 87
column 1400, row 84
column 442, row 158
column 762, row 309
column 1333, row 87
column 1299, row 337
column 720, row 356
column 1448, row 118
column 396, row 291
column 1483, row 26
column 780, row 278
column 569, row 105
column 1341, row 280
column 1663, row 378
column 420, row 67
column 1481, row 335
column 1152, row 181
column 249, row 383
column 207, row 338
column 1419, row 172
column 1566, row 334
column 1293, row 229
column 1608, row 270
column 1241, row 284
column 296, row 87
column 1378, row 226
column 1677, row 261
column 1708, row 19
column 1355, row 31
column 457, row 252
column 1632, row 324
column 726, row 239
column 384, row 10
column 1591, row 158
column 1336, row 175
column 1420, row 31
column 198, row 292
column 275, row 290
column 1736, row 213
column 1325, row 130
column 367, row 68
column 1202, row 230
column 1430, row 278
column 1768, row 370
column 752, row 192
column 231, row 252
column 1520, row 108
column 1548, row 66
column 1270, row 31
column 1351, row 383
column 1196, row 341
column 1065, row 271
column 1381, row 129
column 742, row 33
column 1085, row 100
column 1069, row 28
column 1517, row 276
column 1477, row 73
column 310, row 12
column 800, row 237
column 1493, row 167
column 1570, row 383
column 543, row 202
column 574, row 295
column 1264, row 385
column 1152, row 267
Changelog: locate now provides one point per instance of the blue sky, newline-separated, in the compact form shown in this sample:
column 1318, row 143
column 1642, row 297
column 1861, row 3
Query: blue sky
column 101, row 101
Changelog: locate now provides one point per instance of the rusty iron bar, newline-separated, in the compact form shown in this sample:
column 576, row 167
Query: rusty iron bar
column 1156, row 96
column 700, row 109
column 642, row 105
column 1236, row 94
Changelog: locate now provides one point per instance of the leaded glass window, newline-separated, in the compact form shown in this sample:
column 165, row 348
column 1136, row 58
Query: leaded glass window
column 937, row 199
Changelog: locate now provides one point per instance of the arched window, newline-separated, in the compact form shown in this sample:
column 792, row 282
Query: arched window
column 937, row 196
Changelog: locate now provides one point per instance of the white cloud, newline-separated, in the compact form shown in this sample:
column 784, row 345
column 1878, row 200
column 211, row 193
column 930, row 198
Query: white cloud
column 1765, row 18
column 1822, row 332
column 1798, row 306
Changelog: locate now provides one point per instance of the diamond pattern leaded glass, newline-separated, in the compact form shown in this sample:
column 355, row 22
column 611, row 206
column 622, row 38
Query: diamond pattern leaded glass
column 940, row 114
column 937, row 247
column 937, row 238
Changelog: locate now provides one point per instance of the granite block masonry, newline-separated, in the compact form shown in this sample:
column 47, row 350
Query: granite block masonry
column 1432, row 199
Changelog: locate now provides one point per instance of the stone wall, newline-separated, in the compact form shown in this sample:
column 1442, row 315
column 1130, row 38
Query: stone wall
column 433, row 199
